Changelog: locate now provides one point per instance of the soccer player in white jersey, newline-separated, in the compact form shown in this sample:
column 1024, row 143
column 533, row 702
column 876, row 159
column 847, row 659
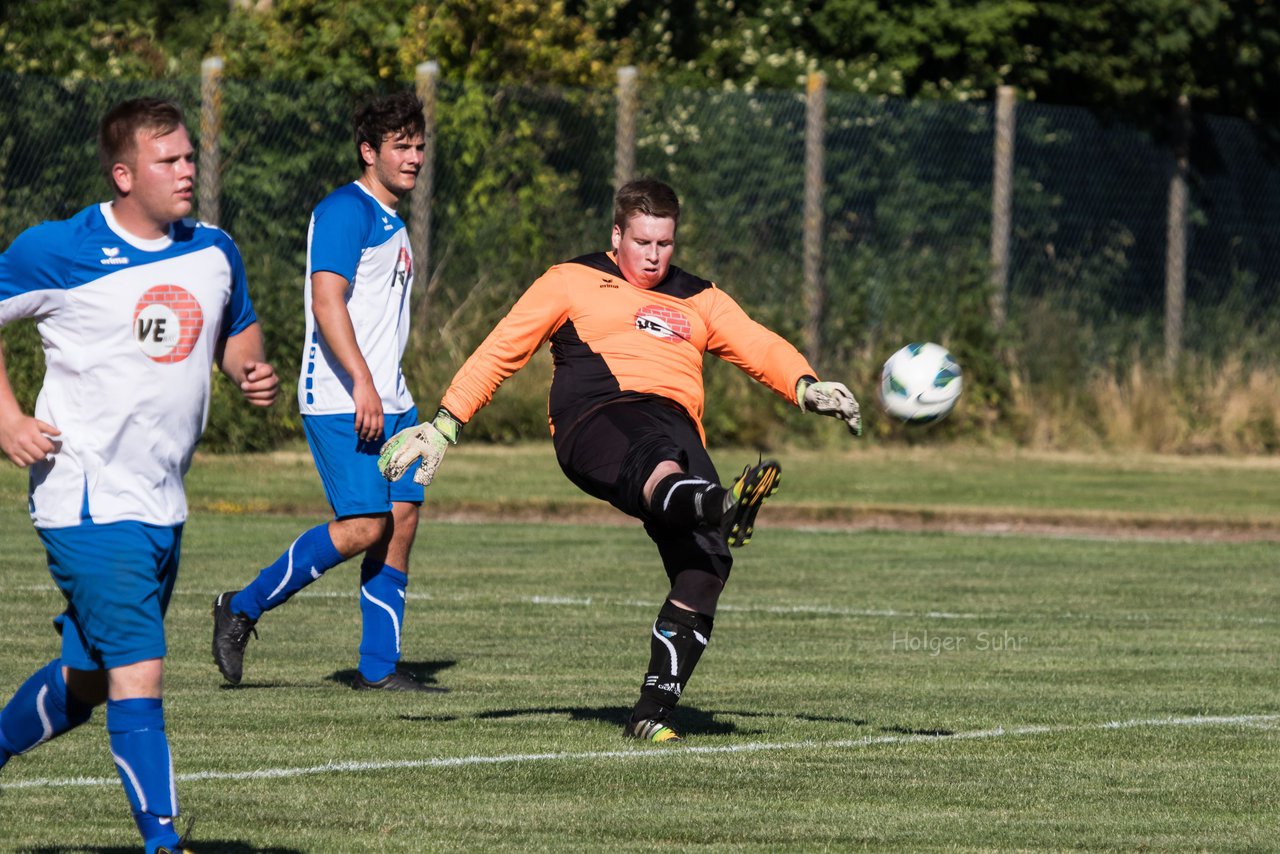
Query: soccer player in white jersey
column 133, row 303
column 352, row 395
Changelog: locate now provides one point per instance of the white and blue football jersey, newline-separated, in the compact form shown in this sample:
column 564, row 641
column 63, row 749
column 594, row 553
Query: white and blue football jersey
column 365, row 242
column 130, row 328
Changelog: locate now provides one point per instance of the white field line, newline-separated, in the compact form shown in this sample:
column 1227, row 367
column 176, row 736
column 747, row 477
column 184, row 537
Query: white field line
column 667, row 754
column 765, row 609
column 822, row 610
column 598, row 601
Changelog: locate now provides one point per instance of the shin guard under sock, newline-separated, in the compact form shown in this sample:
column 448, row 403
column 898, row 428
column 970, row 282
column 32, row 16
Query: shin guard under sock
column 310, row 556
column 382, row 591
column 676, row 643
column 140, row 749
column 39, row 710
column 685, row 501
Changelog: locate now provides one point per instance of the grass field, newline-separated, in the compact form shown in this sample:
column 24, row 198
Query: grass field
column 1102, row 675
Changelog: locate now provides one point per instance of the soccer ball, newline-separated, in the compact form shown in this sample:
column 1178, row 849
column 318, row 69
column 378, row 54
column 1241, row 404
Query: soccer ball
column 920, row 383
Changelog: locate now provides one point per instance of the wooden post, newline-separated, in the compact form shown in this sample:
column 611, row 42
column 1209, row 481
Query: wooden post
column 624, row 148
column 815, row 122
column 209, row 171
column 427, row 75
column 1175, row 258
column 1002, row 202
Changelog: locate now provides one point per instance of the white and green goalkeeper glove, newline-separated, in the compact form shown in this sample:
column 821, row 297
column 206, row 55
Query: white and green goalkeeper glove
column 827, row 398
column 426, row 442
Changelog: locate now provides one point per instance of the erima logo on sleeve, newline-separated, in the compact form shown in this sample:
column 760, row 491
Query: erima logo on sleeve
column 114, row 258
column 386, row 224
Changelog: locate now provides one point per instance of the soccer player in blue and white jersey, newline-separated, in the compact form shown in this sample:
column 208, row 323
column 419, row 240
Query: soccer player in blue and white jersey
column 352, row 395
column 133, row 303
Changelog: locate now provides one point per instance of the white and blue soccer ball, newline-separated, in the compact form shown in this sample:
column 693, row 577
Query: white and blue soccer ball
column 920, row 383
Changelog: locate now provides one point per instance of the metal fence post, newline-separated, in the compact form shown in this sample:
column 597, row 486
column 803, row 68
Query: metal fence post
column 1175, row 258
column 210, row 170
column 815, row 124
column 1002, row 202
column 624, row 147
column 427, row 73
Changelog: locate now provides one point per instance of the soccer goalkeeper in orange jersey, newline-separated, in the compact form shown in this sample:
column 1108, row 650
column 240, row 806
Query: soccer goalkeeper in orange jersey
column 628, row 332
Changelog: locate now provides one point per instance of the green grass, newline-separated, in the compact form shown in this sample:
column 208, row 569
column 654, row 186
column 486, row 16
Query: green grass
column 864, row 690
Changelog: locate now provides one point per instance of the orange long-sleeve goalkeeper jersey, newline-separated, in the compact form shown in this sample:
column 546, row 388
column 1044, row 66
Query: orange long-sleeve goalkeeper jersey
column 611, row 340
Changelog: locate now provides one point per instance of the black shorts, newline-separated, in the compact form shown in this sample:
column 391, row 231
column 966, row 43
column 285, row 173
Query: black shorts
column 610, row 453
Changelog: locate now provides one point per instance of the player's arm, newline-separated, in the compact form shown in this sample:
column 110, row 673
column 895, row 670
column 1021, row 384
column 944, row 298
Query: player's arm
column 772, row 360
column 538, row 313
column 243, row 360
column 333, row 320
column 24, row 439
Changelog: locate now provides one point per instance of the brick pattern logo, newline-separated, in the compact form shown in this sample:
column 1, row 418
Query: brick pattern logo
column 166, row 323
column 404, row 270
column 665, row 323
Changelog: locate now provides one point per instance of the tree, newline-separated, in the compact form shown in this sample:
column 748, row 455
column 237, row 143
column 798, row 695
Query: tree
column 1132, row 58
column 128, row 39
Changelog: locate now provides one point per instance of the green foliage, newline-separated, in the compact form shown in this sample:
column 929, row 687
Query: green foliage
column 526, row 42
column 1133, row 58
column 126, row 39
column 1130, row 57
column 366, row 46
column 24, row 361
column 523, row 178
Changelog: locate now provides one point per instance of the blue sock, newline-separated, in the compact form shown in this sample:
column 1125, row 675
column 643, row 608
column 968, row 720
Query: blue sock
column 310, row 556
column 141, row 751
column 39, row 710
column 382, row 609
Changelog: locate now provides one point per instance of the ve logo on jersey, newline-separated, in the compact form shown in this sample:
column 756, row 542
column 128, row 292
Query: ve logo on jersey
column 166, row 323
column 662, row 322
column 404, row 269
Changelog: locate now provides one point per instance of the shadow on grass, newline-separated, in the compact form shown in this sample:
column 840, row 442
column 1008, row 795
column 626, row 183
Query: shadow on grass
column 424, row 671
column 204, row 846
column 688, row 720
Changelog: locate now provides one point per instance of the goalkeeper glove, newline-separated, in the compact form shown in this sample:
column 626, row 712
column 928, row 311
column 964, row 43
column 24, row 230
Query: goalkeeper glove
column 426, row 442
column 827, row 398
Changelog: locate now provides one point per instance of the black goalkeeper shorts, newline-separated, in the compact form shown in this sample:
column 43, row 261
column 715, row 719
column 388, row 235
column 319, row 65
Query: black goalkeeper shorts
column 609, row 455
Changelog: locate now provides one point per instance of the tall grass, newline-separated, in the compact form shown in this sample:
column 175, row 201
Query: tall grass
column 1229, row 407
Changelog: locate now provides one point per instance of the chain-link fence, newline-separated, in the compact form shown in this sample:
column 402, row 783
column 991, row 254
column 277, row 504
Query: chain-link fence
column 523, row 178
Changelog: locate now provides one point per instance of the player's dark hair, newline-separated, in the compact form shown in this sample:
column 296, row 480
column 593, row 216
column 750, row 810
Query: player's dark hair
column 391, row 115
column 118, row 132
column 645, row 196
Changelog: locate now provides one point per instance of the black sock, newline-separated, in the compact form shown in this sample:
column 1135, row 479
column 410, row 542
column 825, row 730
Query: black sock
column 676, row 643
column 685, row 501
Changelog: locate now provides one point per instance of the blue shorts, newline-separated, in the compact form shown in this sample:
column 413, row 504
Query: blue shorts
column 348, row 465
column 117, row 579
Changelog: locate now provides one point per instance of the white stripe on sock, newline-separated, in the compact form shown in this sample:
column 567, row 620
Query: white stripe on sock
column 395, row 623
column 46, row 725
column 671, row 649
column 173, row 784
column 288, row 573
column 676, row 486
column 133, row 780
